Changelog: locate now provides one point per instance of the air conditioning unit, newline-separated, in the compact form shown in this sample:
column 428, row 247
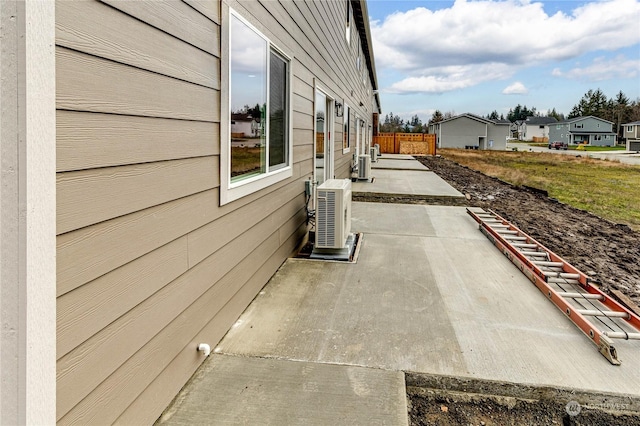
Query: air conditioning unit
column 364, row 167
column 374, row 154
column 333, row 214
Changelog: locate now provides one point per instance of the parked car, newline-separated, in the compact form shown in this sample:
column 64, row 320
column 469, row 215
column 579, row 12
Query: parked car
column 558, row 145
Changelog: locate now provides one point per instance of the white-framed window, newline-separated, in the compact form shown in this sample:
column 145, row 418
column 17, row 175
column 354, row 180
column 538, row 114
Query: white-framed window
column 256, row 143
column 346, row 129
column 629, row 128
column 349, row 16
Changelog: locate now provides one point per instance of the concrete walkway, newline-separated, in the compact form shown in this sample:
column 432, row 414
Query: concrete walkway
column 397, row 176
column 328, row 342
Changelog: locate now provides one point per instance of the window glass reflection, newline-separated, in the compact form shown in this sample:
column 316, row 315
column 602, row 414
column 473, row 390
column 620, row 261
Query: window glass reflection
column 248, row 100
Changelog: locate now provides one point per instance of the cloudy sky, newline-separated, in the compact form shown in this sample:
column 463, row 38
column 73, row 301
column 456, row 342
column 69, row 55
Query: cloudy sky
column 480, row 55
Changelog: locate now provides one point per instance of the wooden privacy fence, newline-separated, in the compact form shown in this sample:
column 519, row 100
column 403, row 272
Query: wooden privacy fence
column 540, row 139
column 406, row 143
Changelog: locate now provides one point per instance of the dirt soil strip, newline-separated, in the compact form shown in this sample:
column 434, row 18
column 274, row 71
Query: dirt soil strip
column 608, row 253
column 443, row 400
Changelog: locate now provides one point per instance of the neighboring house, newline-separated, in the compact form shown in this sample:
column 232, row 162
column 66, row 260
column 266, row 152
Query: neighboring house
column 631, row 133
column 537, row 127
column 131, row 231
column 468, row 130
column 583, row 130
column 245, row 125
column 517, row 130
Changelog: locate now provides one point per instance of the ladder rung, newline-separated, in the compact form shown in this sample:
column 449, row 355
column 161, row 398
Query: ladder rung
column 555, row 280
column 621, row 335
column 499, row 226
column 570, row 276
column 534, row 253
column 507, row 232
column 523, row 245
column 546, row 263
column 514, row 238
column 596, row 313
column 581, row 295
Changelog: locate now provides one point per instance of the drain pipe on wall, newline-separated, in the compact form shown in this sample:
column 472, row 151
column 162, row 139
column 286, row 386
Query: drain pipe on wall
column 204, row 348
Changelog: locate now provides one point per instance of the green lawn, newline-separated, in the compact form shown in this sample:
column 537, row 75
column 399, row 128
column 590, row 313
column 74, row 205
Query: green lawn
column 600, row 148
column 606, row 188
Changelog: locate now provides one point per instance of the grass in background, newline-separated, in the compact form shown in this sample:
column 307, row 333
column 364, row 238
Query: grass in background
column 608, row 189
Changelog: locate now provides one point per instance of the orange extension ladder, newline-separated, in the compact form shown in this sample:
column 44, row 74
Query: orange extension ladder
column 600, row 317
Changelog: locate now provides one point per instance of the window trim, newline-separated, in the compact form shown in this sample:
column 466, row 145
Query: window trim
column 231, row 191
column 346, row 124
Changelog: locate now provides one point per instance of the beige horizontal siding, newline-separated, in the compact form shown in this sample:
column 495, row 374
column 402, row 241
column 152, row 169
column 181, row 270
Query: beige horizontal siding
column 91, row 196
column 149, row 263
column 162, row 390
column 179, row 19
column 88, row 253
column 88, row 83
column 89, row 140
column 100, row 30
column 87, row 365
column 87, row 310
column 184, row 296
column 210, row 9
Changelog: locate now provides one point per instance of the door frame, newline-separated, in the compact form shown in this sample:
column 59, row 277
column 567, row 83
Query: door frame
column 329, row 142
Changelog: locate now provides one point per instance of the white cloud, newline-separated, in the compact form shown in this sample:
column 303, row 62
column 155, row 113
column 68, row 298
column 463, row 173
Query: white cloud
column 603, row 69
column 516, row 88
column 507, row 35
column 446, row 79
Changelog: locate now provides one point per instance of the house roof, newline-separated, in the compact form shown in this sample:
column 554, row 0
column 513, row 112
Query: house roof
column 361, row 16
column 573, row 120
column 244, row 117
column 477, row 118
column 635, row 123
column 541, row 120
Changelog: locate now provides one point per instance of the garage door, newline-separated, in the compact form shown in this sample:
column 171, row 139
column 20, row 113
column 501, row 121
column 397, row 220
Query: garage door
column 634, row 146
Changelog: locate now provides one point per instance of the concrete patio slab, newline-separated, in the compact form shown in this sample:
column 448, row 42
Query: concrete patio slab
column 427, row 300
column 397, row 156
column 407, row 183
column 391, row 164
column 253, row 391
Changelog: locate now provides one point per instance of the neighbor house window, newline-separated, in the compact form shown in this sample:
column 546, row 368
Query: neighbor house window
column 257, row 146
column 346, row 140
column 629, row 128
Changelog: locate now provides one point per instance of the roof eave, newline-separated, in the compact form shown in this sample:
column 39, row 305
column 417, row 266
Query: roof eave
column 361, row 17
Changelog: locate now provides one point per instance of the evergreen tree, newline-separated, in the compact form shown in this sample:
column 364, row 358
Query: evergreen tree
column 436, row 117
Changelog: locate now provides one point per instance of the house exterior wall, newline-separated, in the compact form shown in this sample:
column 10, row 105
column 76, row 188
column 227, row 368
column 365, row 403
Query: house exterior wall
column 631, row 131
column 497, row 133
column 463, row 131
column 460, row 132
column 534, row 130
column 593, row 130
column 149, row 262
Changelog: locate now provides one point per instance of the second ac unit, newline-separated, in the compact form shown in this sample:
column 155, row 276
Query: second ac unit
column 333, row 214
column 364, row 167
column 374, row 154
